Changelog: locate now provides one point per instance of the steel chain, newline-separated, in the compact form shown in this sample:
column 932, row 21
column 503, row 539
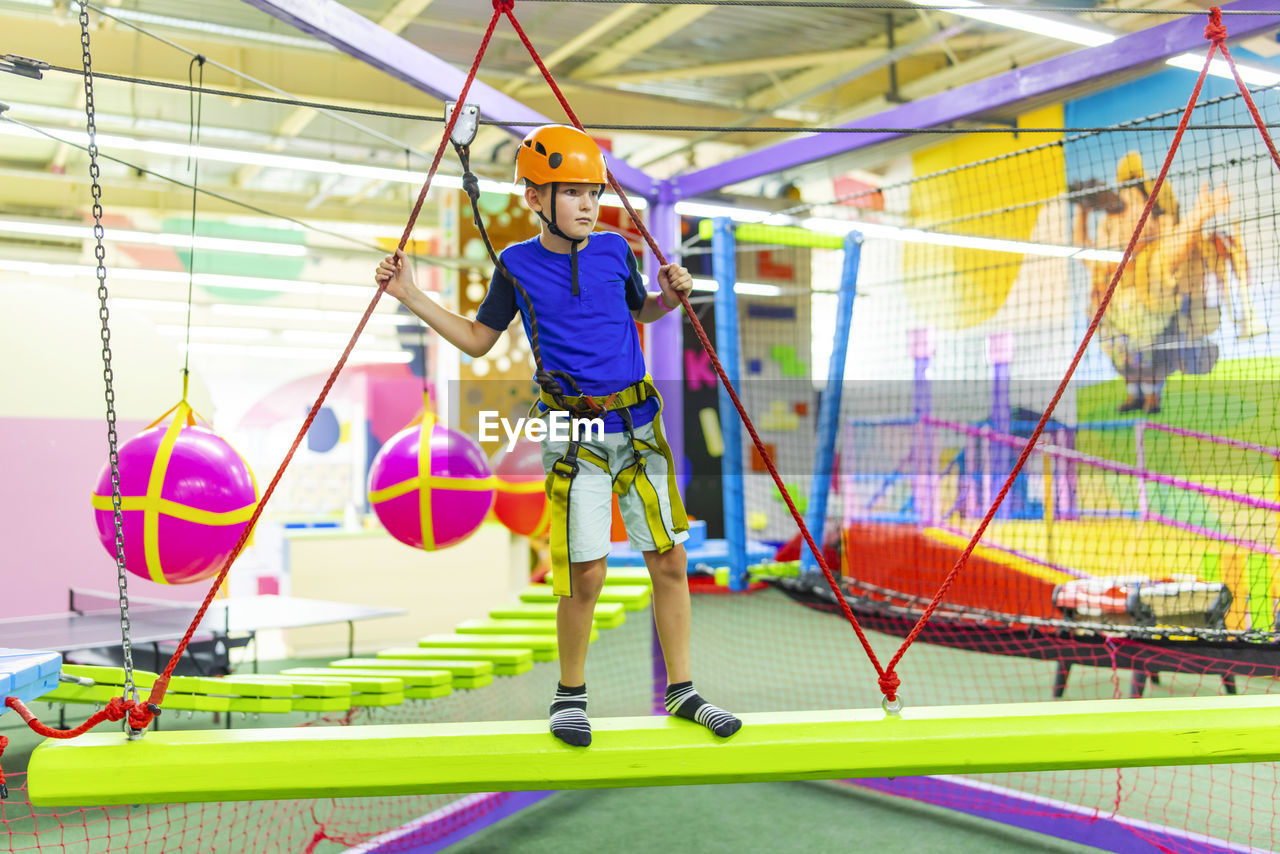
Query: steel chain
column 99, row 252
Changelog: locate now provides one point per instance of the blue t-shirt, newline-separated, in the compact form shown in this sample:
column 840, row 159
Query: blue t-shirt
column 592, row 336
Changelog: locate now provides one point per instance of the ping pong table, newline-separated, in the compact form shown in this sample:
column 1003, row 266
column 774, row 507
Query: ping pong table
column 89, row 632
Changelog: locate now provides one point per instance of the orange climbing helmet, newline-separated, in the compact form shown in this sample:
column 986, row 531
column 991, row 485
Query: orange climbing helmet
column 559, row 154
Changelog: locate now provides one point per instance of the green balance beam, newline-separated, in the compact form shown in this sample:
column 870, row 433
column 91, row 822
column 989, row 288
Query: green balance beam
column 506, row 662
column 311, row 695
column 418, row 684
column 366, row 691
column 464, row 675
column 608, row 615
column 632, row 598
column 417, row 678
column 636, row 576
column 312, row 762
column 465, row 669
column 514, row 627
column 543, row 647
column 185, row 693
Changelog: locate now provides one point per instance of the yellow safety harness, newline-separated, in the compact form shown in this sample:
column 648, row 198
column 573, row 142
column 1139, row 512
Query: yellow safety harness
column 564, row 470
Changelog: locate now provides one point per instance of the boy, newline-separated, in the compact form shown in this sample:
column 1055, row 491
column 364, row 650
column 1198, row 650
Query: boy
column 586, row 293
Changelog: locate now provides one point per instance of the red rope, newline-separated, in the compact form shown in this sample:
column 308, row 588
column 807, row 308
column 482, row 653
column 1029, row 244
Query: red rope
column 1216, row 33
column 115, row 710
column 888, row 682
column 142, row 714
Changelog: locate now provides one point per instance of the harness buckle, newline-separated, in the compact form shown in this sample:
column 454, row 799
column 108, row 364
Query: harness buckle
column 565, row 468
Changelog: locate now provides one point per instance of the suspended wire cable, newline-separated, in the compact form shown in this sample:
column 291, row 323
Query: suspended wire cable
column 1127, row 126
column 358, row 243
column 195, row 106
column 325, row 107
column 904, row 7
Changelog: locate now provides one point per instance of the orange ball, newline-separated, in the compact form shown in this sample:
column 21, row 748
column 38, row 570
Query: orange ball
column 521, row 503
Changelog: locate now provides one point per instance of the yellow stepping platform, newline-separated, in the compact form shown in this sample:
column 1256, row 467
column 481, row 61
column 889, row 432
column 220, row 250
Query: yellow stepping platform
column 513, row 627
column 185, row 693
column 309, row 695
column 634, row 576
column 543, row 647
column 506, row 662
column 418, row 684
column 632, row 598
column 365, row 690
column 608, row 615
column 464, row 674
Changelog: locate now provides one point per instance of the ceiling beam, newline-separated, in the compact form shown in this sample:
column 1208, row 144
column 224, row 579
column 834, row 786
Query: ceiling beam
column 488, row 139
column 401, row 15
column 1020, row 51
column 801, row 87
column 356, row 35
column 1129, row 53
column 767, row 64
column 315, row 76
column 742, row 67
column 797, row 88
column 404, row 13
column 589, row 36
column 641, row 39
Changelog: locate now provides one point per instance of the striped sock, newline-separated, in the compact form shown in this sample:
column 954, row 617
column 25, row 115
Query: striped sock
column 684, row 701
column 569, row 716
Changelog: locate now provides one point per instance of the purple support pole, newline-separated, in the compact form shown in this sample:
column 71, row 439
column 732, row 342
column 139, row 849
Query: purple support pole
column 1140, row 460
column 431, row 833
column 354, row 34
column 659, row 674
column 1052, row 818
column 924, row 486
column 1072, row 502
column 973, row 477
column 1062, row 482
column 665, row 338
column 1000, row 355
column 1127, row 55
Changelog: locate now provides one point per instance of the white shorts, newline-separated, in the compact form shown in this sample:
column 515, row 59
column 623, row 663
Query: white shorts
column 591, row 495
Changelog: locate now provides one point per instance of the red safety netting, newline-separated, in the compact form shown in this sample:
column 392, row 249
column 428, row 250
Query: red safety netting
column 888, row 679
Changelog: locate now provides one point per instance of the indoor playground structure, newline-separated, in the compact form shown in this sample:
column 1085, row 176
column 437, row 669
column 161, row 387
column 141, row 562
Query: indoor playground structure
column 979, row 445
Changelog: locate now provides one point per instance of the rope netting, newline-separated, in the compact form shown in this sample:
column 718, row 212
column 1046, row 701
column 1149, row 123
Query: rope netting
column 1216, row 34
column 140, row 715
column 757, row 653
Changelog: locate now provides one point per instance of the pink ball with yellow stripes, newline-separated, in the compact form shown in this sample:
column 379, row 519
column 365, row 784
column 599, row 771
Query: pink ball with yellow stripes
column 435, row 496
column 185, row 506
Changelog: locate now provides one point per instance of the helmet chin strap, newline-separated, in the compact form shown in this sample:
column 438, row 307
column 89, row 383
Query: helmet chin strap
column 573, row 241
